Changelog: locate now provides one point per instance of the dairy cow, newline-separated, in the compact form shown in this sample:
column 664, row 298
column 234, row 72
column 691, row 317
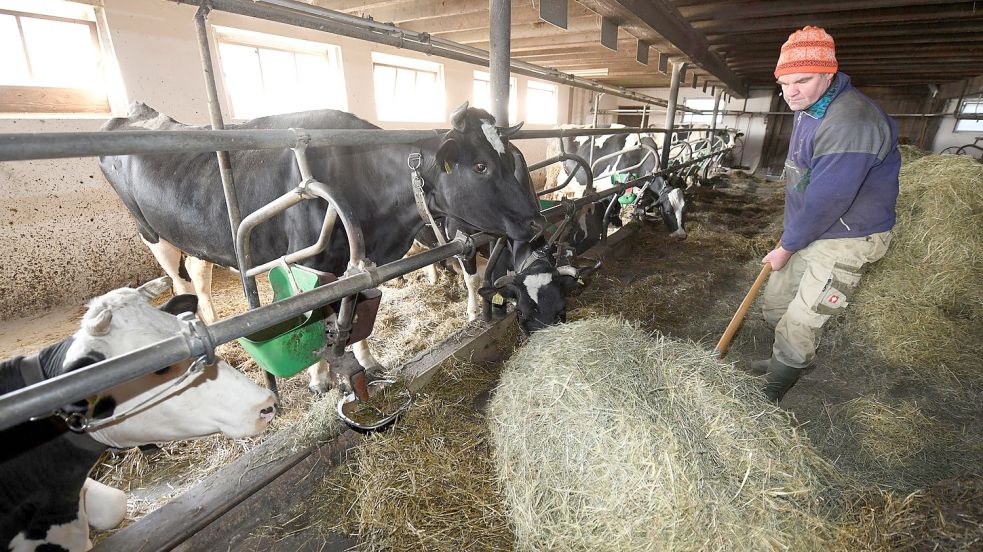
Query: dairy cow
column 178, row 203
column 638, row 160
column 46, row 501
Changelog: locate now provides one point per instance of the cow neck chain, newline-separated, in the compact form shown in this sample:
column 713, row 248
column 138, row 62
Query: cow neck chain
column 82, row 423
column 414, row 161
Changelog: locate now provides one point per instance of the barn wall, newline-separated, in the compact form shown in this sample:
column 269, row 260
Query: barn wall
column 65, row 236
column 947, row 135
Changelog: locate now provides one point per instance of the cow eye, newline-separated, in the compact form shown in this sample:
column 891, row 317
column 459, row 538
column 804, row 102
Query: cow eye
column 480, row 168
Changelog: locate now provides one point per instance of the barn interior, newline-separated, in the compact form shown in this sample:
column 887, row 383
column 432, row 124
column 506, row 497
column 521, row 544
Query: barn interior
column 892, row 408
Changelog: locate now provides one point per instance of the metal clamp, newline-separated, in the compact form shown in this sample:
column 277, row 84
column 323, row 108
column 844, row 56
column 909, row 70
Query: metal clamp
column 198, row 337
column 414, row 160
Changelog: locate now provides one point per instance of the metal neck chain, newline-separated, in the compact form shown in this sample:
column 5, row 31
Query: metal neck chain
column 414, row 161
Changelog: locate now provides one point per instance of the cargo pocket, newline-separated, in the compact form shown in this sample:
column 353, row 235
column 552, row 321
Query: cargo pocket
column 840, row 285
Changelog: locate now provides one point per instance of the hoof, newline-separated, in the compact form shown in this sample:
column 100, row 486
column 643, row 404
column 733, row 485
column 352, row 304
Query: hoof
column 319, row 388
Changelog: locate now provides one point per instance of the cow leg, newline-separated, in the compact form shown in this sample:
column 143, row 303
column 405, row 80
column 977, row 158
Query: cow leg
column 104, row 506
column 169, row 258
column 365, row 359
column 201, row 276
column 472, row 280
column 320, row 377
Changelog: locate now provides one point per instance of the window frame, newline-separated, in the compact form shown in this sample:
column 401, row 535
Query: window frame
column 256, row 40
column 389, row 113
column 55, row 99
column 485, row 77
column 542, row 86
column 961, row 116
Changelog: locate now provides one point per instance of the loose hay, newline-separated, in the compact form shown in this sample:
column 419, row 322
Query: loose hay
column 428, row 483
column 910, row 153
column 922, row 305
column 609, row 438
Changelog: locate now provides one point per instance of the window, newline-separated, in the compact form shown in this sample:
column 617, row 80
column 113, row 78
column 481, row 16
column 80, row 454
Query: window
column 541, row 103
column 408, row 89
column 268, row 74
column 703, row 104
column 50, row 58
column 968, row 109
column 482, row 93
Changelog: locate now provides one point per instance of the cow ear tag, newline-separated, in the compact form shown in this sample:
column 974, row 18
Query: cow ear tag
column 580, row 280
column 498, row 299
column 447, row 167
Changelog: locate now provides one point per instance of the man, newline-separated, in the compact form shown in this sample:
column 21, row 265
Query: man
column 841, row 188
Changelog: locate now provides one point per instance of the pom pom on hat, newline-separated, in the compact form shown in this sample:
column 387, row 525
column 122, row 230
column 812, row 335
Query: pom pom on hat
column 810, row 50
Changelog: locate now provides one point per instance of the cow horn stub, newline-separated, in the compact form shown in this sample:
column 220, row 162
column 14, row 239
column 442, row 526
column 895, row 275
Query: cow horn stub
column 506, row 132
column 459, row 118
column 98, row 324
column 506, row 280
column 154, row 288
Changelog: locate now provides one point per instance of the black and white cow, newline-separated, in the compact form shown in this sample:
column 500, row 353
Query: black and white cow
column 47, row 502
column 178, row 202
column 638, row 160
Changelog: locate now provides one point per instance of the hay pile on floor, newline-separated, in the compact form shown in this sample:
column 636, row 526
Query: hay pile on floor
column 945, row 516
column 910, row 152
column 922, row 305
column 609, row 438
column 417, row 315
column 428, row 483
column 901, row 446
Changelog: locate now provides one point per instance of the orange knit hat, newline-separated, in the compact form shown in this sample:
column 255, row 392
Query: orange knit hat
column 810, row 50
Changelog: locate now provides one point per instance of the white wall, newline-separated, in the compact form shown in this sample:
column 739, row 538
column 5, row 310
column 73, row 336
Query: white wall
column 66, row 237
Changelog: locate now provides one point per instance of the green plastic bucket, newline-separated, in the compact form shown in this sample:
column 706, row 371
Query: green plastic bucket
column 288, row 347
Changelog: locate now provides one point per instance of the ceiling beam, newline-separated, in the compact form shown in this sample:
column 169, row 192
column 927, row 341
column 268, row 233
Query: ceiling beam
column 830, row 22
column 873, row 30
column 660, row 17
column 539, row 29
column 756, row 9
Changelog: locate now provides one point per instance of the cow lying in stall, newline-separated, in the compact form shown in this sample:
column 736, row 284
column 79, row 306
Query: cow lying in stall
column 47, row 500
column 178, row 203
column 638, row 158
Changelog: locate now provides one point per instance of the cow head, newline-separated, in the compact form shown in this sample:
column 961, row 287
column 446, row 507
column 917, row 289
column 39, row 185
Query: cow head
column 481, row 181
column 539, row 292
column 670, row 202
column 159, row 406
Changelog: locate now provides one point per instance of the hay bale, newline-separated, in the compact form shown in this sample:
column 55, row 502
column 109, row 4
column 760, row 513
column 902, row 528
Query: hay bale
column 923, row 303
column 609, row 438
column 911, row 153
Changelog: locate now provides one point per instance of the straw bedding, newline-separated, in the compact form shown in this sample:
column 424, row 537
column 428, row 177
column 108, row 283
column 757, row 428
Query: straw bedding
column 609, row 438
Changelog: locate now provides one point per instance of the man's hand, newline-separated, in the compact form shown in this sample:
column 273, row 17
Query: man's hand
column 777, row 257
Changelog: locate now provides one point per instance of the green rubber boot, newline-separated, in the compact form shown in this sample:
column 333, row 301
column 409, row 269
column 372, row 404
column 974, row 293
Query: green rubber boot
column 779, row 379
column 760, row 367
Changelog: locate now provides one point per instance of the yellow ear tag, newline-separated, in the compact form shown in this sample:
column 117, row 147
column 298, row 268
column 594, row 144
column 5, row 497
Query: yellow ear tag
column 580, row 280
column 447, row 167
column 498, row 299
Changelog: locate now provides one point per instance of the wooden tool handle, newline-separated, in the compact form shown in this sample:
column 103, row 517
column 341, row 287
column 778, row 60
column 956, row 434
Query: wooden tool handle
column 735, row 322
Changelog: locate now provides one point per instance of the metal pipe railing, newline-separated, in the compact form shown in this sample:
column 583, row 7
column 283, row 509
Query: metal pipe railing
column 43, row 398
column 301, row 14
column 56, row 145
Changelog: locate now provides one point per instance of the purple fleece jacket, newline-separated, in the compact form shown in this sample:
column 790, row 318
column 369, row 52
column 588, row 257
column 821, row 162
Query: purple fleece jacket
column 842, row 169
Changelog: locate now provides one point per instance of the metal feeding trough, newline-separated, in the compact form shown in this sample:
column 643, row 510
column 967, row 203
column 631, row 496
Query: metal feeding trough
column 388, row 398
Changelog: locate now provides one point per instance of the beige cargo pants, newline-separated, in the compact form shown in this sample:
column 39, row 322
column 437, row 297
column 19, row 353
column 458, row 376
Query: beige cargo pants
column 814, row 284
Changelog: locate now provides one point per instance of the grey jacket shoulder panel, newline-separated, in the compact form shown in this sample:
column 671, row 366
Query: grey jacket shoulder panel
column 853, row 124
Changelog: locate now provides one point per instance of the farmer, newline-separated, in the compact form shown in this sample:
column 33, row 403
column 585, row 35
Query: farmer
column 841, row 187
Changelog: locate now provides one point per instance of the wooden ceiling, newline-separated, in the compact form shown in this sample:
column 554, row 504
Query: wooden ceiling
column 895, row 43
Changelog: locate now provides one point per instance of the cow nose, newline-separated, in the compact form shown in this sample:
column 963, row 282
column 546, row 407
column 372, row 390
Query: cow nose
column 537, row 226
column 267, row 413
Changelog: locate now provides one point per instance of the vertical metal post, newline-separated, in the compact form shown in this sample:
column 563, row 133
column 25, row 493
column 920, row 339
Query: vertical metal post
column 499, row 65
column 224, row 164
column 716, row 109
column 677, row 70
